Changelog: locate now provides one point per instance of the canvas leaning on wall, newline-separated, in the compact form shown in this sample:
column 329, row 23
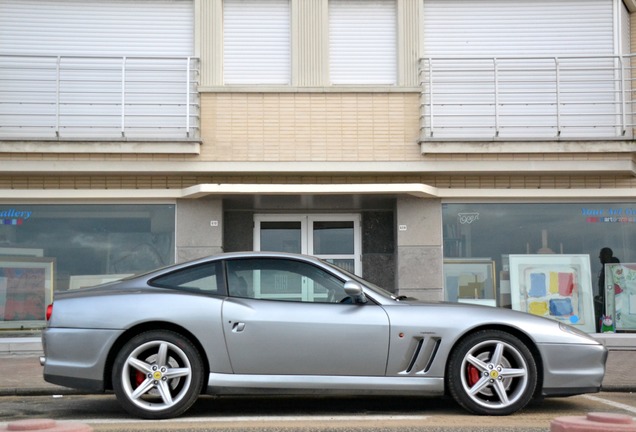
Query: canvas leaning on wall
column 620, row 295
column 554, row 286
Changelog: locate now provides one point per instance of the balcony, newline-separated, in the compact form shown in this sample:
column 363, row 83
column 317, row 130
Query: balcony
column 108, row 99
column 526, row 99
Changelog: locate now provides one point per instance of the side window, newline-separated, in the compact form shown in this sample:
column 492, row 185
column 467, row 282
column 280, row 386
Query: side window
column 283, row 280
column 202, row 277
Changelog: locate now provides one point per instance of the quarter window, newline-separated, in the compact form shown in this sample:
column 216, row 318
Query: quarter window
column 200, row 278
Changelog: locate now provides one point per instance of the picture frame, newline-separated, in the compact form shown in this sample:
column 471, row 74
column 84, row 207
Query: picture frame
column 554, row 286
column 469, row 279
column 32, row 252
column 26, row 289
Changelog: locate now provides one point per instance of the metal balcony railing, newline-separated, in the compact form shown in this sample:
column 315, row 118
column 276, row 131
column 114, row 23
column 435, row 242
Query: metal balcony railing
column 527, row 98
column 70, row 97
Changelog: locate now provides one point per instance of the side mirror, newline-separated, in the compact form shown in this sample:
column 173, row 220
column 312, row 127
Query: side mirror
column 355, row 291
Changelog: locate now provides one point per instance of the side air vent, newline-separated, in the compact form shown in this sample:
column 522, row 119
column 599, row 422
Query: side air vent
column 424, row 351
column 432, row 355
column 416, row 354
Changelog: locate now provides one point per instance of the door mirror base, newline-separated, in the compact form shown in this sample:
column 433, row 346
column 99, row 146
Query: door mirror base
column 355, row 291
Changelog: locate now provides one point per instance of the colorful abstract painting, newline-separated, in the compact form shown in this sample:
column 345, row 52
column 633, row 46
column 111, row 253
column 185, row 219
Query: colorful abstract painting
column 554, row 286
column 26, row 288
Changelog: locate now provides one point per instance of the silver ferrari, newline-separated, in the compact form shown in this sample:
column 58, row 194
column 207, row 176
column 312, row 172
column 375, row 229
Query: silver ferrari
column 274, row 323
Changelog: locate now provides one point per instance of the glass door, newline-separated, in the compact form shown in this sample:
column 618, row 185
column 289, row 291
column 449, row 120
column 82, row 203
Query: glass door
column 334, row 238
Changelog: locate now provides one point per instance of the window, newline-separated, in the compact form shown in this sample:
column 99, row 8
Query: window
column 362, row 41
column 283, row 279
column 256, row 42
column 46, row 248
column 90, row 241
column 489, row 233
column 202, row 278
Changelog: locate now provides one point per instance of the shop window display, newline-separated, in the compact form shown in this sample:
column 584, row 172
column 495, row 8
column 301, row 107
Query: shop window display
column 493, row 232
column 46, row 248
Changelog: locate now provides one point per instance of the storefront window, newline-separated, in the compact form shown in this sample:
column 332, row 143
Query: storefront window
column 479, row 234
column 59, row 247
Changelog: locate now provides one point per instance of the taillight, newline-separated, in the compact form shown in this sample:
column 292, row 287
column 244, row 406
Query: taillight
column 49, row 311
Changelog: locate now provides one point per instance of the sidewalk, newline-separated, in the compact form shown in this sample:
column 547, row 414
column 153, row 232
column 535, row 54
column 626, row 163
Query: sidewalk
column 21, row 373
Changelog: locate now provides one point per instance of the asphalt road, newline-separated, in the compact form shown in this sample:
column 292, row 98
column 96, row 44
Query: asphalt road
column 269, row 414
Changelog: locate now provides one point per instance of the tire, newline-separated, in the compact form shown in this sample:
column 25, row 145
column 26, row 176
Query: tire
column 492, row 372
column 157, row 375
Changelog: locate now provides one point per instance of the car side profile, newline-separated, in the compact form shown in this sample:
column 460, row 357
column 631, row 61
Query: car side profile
column 275, row 323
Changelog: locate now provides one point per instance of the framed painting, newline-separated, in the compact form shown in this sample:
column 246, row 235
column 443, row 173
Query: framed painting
column 466, row 279
column 26, row 288
column 554, row 286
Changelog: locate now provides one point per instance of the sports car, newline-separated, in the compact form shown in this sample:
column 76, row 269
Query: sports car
column 274, row 323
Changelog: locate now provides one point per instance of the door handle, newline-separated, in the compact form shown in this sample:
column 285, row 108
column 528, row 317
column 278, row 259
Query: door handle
column 238, row 327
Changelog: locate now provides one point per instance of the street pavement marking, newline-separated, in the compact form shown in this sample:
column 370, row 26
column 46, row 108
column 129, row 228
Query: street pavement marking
column 612, row 403
column 236, row 419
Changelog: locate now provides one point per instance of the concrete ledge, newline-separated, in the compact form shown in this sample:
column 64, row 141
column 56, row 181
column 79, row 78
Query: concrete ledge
column 21, row 345
column 617, row 341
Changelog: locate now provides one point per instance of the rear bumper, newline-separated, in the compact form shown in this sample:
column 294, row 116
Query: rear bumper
column 572, row 369
column 76, row 358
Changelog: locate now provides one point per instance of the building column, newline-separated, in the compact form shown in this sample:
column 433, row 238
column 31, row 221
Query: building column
column 419, row 248
column 199, row 228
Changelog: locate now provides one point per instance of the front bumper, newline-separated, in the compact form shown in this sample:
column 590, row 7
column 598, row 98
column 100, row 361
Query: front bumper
column 570, row 369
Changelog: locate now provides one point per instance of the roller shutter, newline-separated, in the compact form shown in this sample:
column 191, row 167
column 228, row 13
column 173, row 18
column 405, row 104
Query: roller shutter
column 97, row 28
column 101, row 68
column 526, row 28
column 257, row 42
column 506, row 97
column 362, row 41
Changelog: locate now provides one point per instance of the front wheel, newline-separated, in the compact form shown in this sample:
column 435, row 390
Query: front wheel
column 157, row 375
column 492, row 372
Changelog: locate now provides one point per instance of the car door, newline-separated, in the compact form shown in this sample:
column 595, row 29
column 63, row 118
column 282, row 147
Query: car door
column 287, row 317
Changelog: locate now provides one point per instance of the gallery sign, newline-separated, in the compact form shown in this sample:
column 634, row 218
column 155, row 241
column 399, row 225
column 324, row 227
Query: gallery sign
column 14, row 216
column 609, row 215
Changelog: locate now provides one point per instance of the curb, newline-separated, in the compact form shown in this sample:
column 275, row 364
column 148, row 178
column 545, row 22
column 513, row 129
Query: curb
column 594, row 422
column 43, row 391
column 46, row 425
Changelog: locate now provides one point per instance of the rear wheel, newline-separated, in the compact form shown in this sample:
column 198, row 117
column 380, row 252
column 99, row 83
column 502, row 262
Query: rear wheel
column 157, row 374
column 492, row 372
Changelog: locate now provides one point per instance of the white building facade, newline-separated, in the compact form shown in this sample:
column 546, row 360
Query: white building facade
column 418, row 143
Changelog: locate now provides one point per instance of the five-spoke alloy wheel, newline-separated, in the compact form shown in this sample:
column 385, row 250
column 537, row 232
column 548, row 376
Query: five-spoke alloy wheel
column 492, row 372
column 157, row 374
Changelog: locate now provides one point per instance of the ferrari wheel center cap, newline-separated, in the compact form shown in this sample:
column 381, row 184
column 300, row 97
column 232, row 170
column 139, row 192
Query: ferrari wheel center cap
column 157, row 375
column 494, row 374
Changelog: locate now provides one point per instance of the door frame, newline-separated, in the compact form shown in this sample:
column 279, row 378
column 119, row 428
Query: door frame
column 306, row 228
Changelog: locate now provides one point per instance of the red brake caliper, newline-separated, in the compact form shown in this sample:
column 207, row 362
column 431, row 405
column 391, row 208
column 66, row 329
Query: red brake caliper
column 139, row 378
column 473, row 375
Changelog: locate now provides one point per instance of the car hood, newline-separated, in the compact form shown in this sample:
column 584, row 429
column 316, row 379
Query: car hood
column 471, row 316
